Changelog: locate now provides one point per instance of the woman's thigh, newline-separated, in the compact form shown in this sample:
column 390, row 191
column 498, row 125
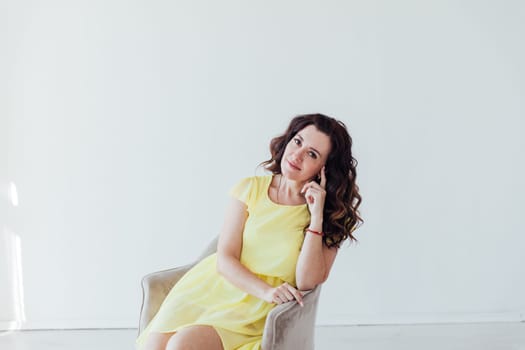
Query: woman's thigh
column 195, row 338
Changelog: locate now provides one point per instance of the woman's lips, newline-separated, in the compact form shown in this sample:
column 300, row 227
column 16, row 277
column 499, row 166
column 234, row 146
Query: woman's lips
column 293, row 165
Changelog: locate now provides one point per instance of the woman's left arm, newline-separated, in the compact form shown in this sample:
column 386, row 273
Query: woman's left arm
column 315, row 260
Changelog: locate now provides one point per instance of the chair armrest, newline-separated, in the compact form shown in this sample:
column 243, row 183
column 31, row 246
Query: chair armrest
column 155, row 288
column 290, row 326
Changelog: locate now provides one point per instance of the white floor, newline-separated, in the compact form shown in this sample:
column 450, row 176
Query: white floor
column 482, row 336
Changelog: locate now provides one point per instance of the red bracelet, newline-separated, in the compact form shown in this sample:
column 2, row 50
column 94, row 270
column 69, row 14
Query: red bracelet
column 315, row 232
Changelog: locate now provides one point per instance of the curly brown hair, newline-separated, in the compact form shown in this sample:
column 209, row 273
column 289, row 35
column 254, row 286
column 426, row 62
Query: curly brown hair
column 342, row 193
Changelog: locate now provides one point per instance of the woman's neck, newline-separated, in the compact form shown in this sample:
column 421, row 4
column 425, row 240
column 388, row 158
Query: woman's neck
column 289, row 190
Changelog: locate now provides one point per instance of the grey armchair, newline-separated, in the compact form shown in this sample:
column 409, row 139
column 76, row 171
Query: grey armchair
column 288, row 326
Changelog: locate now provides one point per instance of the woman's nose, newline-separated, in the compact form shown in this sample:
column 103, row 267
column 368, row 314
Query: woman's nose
column 298, row 156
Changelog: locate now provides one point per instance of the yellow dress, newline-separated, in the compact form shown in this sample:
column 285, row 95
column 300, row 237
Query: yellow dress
column 272, row 239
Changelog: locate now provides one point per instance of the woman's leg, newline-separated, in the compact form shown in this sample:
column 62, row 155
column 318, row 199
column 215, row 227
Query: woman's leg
column 195, row 338
column 157, row 341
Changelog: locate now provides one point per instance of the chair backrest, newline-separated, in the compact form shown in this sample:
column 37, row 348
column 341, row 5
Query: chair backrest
column 210, row 249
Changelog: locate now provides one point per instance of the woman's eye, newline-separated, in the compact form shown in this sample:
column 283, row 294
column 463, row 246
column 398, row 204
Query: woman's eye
column 297, row 141
column 312, row 154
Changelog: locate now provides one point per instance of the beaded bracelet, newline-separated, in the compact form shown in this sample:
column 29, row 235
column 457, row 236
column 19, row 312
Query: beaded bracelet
column 315, row 232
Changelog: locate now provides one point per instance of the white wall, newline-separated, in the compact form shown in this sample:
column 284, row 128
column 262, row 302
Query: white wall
column 128, row 121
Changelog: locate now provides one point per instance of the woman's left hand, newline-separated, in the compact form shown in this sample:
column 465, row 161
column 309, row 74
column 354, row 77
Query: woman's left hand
column 315, row 194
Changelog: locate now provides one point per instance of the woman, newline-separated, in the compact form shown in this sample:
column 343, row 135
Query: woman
column 280, row 237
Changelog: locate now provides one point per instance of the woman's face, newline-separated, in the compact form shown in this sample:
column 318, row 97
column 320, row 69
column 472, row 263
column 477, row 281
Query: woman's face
column 305, row 154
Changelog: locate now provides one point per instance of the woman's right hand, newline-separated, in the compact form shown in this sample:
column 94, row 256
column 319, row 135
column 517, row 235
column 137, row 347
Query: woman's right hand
column 283, row 294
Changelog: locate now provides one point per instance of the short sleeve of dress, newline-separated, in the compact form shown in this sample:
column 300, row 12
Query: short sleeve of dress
column 243, row 190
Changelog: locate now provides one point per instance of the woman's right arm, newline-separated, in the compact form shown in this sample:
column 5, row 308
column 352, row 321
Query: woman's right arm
column 229, row 254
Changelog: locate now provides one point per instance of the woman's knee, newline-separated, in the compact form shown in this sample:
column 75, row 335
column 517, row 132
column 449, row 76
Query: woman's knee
column 195, row 338
column 157, row 341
